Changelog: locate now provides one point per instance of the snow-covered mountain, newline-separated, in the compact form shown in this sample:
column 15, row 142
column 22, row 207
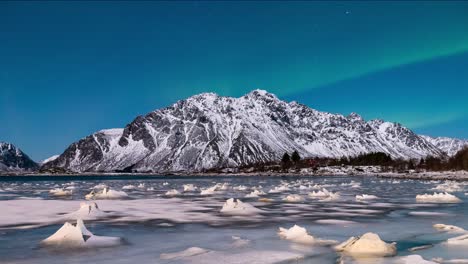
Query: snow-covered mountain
column 13, row 159
column 209, row 131
column 49, row 159
column 448, row 145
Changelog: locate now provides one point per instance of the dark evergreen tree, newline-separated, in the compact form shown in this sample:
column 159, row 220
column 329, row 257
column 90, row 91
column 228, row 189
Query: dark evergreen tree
column 286, row 161
column 295, row 157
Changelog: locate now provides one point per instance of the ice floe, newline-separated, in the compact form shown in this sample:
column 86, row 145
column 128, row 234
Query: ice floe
column 278, row 189
column 367, row 245
column 76, row 235
column 437, row 198
column 237, row 207
column 449, row 186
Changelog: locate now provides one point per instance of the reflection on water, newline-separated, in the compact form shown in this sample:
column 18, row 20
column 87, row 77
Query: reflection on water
column 154, row 223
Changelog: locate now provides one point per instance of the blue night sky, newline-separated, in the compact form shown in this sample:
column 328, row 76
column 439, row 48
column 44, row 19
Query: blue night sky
column 68, row 69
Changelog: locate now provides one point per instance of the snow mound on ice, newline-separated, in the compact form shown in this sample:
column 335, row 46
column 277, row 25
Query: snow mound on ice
column 293, row 198
column 368, row 244
column 60, row 192
column 448, row 228
column 237, row 207
column 77, row 235
column 106, row 193
column 298, row 234
column 87, row 211
column 365, row 197
column 437, row 198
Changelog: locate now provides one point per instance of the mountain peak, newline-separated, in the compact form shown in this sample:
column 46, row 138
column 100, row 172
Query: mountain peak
column 258, row 93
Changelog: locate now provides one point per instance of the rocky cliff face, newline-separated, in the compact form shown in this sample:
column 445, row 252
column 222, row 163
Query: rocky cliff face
column 209, row 131
column 13, row 159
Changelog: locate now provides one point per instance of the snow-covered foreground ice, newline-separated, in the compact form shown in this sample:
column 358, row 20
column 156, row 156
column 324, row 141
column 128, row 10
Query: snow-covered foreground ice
column 194, row 220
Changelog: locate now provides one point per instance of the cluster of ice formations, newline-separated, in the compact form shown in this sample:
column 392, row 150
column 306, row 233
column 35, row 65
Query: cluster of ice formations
column 293, row 198
column 77, row 235
column 324, row 195
column 437, row 198
column 298, row 234
column 172, row 192
column 237, row 207
column 87, row 211
column 365, row 197
column 60, row 192
column 367, row 245
column 106, row 193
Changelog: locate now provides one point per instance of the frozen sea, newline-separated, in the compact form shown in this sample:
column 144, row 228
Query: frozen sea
column 156, row 226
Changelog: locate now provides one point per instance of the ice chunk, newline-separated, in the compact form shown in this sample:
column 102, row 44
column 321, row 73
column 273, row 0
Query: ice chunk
column 368, row 245
column 299, row 235
column 437, row 198
column 365, row 197
column 449, row 228
column 129, row 187
column 255, row 194
column 278, row 189
column 60, row 192
column 293, row 198
column 209, row 191
column 237, row 207
column 172, row 192
column 189, row 188
column 238, row 242
column 77, row 235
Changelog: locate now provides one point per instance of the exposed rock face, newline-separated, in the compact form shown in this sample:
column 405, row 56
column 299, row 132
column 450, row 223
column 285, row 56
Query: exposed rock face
column 209, row 131
column 13, row 159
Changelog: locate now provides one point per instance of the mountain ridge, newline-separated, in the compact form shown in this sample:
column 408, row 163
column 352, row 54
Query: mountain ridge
column 208, row 131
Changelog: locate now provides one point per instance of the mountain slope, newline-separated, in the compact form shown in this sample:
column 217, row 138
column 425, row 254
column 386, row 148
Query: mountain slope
column 448, row 145
column 13, row 159
column 209, row 131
